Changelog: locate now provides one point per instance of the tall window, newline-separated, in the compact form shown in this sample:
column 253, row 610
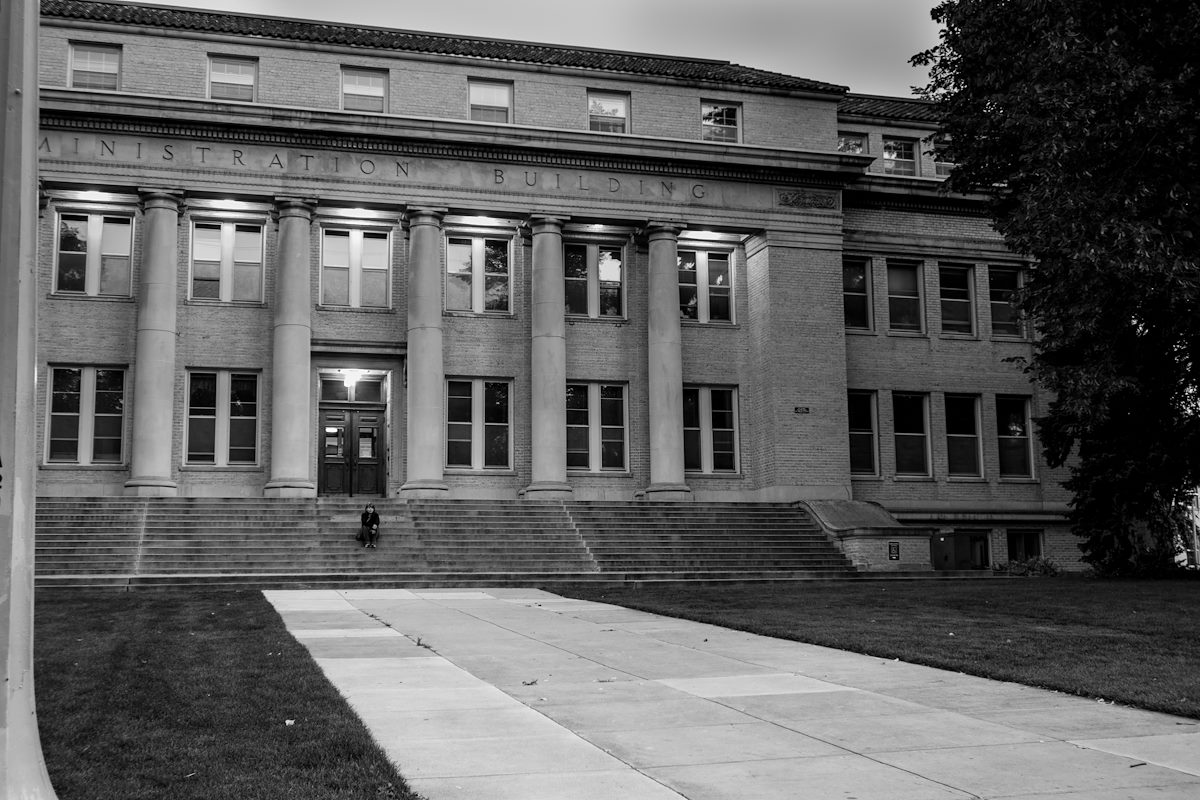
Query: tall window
column 608, row 112
column 710, row 442
column 719, row 122
column 1003, row 283
column 477, row 275
column 1012, row 432
column 705, row 286
column 95, row 66
column 957, row 307
column 962, row 435
column 855, row 143
column 94, row 255
column 231, row 78
column 364, row 89
column 477, row 424
column 593, row 275
column 227, row 261
column 904, row 295
column 856, row 293
column 942, row 165
column 595, row 426
column 87, row 415
column 490, row 101
column 354, row 268
column 222, row 424
column 863, row 443
column 910, row 419
column 899, row 156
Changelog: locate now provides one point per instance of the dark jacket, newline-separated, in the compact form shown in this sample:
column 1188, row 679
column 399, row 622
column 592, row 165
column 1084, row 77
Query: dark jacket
column 370, row 519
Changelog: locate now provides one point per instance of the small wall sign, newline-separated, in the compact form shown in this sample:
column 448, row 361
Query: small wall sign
column 893, row 551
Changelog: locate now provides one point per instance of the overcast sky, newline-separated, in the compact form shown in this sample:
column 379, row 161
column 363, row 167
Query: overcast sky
column 863, row 44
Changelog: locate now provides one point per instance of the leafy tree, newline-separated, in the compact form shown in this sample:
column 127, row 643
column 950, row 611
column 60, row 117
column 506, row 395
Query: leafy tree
column 1081, row 121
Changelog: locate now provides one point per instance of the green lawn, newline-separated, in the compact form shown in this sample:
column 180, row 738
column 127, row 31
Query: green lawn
column 188, row 696
column 1133, row 642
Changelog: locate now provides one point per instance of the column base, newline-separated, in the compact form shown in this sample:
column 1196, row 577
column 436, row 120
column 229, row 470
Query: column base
column 418, row 489
column 547, row 490
column 290, row 488
column 151, row 487
column 666, row 491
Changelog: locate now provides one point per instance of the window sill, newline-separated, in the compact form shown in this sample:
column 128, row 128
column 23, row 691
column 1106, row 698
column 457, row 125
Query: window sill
column 1029, row 479
column 480, row 315
column 908, row 334
column 862, row 476
column 860, row 332
column 691, row 323
column 714, row 475
column 913, row 478
column 961, row 337
column 966, row 479
column 364, row 310
column 467, row 471
column 214, row 468
column 59, row 465
column 616, row 322
column 227, row 303
column 587, row 473
column 91, row 298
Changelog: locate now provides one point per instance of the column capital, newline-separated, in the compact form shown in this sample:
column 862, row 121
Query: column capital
column 168, row 199
column 295, row 207
column 546, row 223
column 662, row 229
column 424, row 215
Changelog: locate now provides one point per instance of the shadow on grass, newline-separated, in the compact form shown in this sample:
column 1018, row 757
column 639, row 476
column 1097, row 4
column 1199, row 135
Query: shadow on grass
column 193, row 696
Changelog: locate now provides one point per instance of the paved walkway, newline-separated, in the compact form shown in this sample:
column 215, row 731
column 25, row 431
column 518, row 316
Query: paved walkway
column 517, row 694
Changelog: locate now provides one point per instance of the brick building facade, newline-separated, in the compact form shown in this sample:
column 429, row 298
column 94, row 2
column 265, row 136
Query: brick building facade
column 299, row 259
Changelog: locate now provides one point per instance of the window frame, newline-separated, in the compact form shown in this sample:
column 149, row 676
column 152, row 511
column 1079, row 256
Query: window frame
column 703, row 284
column 593, row 118
column 222, row 419
column 99, row 49
column 1015, row 325
column 907, row 167
column 872, row 400
column 368, row 72
column 478, row 273
column 227, row 266
column 844, row 138
column 1025, row 437
column 866, row 294
column 896, row 264
column 86, row 415
column 93, row 275
column 705, row 432
column 478, row 424
column 592, row 281
column 595, row 428
column 1025, row 536
column 973, row 437
column 711, row 131
column 482, row 108
column 243, row 61
column 923, row 434
column 356, row 236
column 968, row 270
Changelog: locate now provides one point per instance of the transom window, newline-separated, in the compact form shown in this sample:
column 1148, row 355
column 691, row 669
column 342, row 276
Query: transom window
column 95, row 66
column 910, row 418
column 594, row 280
column 364, row 89
column 863, row 438
column 710, row 436
column 904, row 295
column 856, row 293
column 94, row 255
column 899, row 156
column 608, row 112
column 1003, row 283
column 1012, row 432
column 955, row 282
column 491, row 101
column 962, row 435
column 355, row 268
column 719, row 122
column 705, row 286
column 855, row 143
column 227, row 261
column 222, row 424
column 595, row 426
column 232, row 78
column 87, row 415
column 478, row 420
column 477, row 275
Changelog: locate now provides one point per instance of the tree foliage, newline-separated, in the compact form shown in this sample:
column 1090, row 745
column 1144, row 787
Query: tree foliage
column 1081, row 121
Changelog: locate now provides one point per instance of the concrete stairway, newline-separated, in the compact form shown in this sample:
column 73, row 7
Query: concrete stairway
column 260, row 543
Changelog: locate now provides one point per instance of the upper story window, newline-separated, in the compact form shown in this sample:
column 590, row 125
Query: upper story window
column 942, row 165
column 594, row 278
column 491, row 101
column 87, row 415
column 705, row 286
column 719, row 122
column 227, row 261
column 855, row 143
column 856, row 293
column 958, row 305
column 904, row 296
column 232, row 78
column 95, row 66
column 899, row 156
column 364, row 89
column 355, row 268
column 477, row 275
column 608, row 112
column 94, row 255
column 1003, row 283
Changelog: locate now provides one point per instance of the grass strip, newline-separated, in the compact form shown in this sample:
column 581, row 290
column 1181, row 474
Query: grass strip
column 1131, row 642
column 188, row 696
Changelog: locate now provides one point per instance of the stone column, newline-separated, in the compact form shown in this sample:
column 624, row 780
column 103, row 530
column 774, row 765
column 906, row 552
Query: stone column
column 22, row 768
column 665, row 368
column 425, row 369
column 548, row 406
column 154, row 355
column 291, row 357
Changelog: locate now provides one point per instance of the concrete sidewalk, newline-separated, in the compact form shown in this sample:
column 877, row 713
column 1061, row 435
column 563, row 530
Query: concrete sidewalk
column 517, row 694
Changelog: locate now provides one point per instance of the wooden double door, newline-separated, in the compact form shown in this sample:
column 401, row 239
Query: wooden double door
column 353, row 452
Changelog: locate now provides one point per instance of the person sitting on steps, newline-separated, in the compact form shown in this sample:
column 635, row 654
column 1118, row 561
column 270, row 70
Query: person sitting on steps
column 370, row 526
